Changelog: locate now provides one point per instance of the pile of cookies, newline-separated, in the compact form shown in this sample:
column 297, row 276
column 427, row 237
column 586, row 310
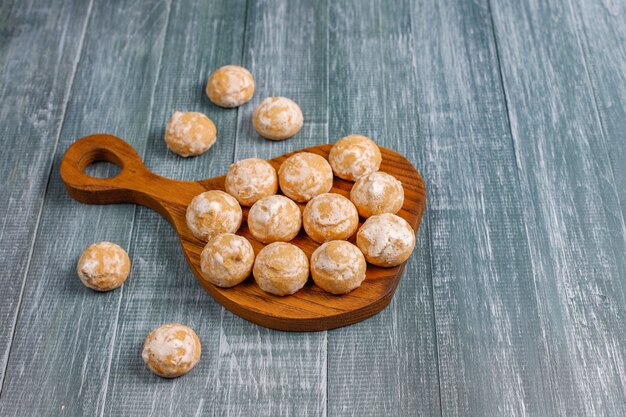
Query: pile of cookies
column 304, row 179
column 281, row 268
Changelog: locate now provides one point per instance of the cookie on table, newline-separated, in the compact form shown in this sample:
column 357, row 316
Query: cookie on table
column 338, row 267
column 251, row 179
column 386, row 240
column 377, row 193
column 103, row 266
column 213, row 212
column 281, row 268
column 275, row 218
column 330, row 216
column 230, row 86
column 171, row 350
column 190, row 133
column 277, row 118
column 354, row 156
column 304, row 175
column 227, row 260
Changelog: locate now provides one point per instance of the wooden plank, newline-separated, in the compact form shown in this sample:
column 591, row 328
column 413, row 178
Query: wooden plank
column 573, row 219
column 386, row 365
column 602, row 31
column 59, row 361
column 490, row 363
column 265, row 372
column 200, row 38
column 36, row 73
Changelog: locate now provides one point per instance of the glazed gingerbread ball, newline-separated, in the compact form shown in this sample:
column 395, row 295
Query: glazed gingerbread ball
column 251, row 179
column 277, row 118
column 227, row 260
column 103, row 266
column 386, row 240
column 338, row 267
column 213, row 212
column 171, row 350
column 189, row 133
column 230, row 86
column 354, row 156
column 377, row 193
column 304, row 175
column 274, row 219
column 330, row 217
column 281, row 268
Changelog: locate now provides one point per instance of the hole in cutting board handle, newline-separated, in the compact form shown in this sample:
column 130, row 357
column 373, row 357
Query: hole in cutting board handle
column 102, row 169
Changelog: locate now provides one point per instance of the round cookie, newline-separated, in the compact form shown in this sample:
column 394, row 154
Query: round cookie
column 304, row 175
column 274, row 219
column 171, row 350
column 330, row 216
column 354, row 156
column 377, row 193
column 227, row 260
column 230, row 86
column 338, row 267
column 251, row 179
column 189, row 133
column 281, row 268
column 103, row 266
column 277, row 118
column 213, row 212
column 386, row 240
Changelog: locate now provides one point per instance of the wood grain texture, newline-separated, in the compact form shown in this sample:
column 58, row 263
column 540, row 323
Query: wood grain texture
column 60, row 356
column 40, row 43
column 573, row 220
column 601, row 27
column 263, row 372
column 386, row 365
column 485, row 311
column 200, row 37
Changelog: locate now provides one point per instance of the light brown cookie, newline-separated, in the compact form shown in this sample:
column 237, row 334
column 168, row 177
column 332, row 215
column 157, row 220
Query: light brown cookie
column 330, row 216
column 230, row 86
column 354, row 156
column 277, row 118
column 251, row 179
column 103, row 266
column 227, row 260
column 190, row 133
column 377, row 193
column 338, row 267
column 213, row 212
column 386, row 240
column 304, row 175
column 171, row 350
column 281, row 268
column 274, row 219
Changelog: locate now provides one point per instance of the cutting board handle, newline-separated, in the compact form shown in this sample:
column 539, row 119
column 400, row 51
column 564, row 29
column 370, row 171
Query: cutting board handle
column 134, row 184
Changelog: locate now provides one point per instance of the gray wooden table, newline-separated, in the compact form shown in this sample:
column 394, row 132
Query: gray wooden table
column 513, row 303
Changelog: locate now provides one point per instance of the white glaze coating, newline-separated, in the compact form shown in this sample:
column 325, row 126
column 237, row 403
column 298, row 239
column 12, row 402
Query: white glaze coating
column 304, row 175
column 330, row 216
column 190, row 133
column 230, row 86
column 354, row 156
column 213, row 212
column 274, row 218
column 386, row 239
column 377, row 193
column 281, row 268
column 338, row 267
column 251, row 179
column 103, row 266
column 227, row 260
column 277, row 118
column 171, row 350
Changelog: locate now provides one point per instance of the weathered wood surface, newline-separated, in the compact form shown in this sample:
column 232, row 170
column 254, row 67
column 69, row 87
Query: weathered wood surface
column 513, row 302
column 39, row 48
column 573, row 220
column 386, row 365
